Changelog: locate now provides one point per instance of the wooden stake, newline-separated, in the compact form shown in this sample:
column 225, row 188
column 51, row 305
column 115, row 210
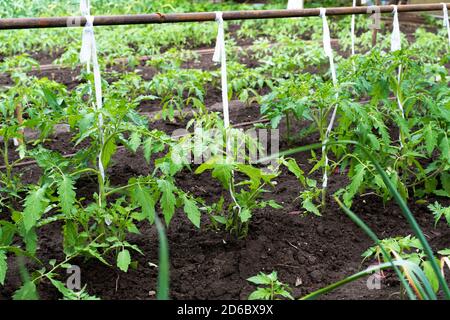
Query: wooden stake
column 375, row 30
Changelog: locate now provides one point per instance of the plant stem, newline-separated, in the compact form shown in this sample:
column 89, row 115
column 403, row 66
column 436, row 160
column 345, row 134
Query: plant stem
column 272, row 293
column 288, row 128
column 6, row 162
column 68, row 258
column 19, row 114
column 325, row 169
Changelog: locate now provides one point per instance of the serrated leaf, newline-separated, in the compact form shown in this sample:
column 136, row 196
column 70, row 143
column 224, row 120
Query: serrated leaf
column 220, row 171
column 167, row 200
column 133, row 229
column 445, row 181
column 93, row 252
column 108, row 151
column 374, row 141
column 147, row 146
column 260, row 294
column 309, row 206
column 431, row 184
column 260, row 279
column 220, row 219
column 151, row 146
column 356, row 183
column 445, row 252
column 319, row 164
column 431, row 275
column 245, row 215
column 70, row 233
column 67, row 293
column 445, row 149
column 124, row 260
column 26, row 292
column 7, row 232
column 31, row 240
column 66, row 194
column 203, row 167
column 293, row 167
column 441, row 193
column 253, row 173
column 135, row 141
column 192, row 211
column 430, row 139
column 274, row 204
column 35, row 204
column 144, row 199
column 285, row 294
column 70, row 294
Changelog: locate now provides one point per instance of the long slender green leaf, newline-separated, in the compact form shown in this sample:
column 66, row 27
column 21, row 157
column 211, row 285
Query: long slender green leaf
column 66, row 194
column 369, row 271
column 35, row 204
column 163, row 275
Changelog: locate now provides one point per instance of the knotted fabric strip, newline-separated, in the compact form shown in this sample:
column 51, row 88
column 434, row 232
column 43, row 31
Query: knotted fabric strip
column 353, row 29
column 329, row 53
column 395, row 36
column 295, row 4
column 88, row 55
column 446, row 21
column 221, row 57
column 395, row 46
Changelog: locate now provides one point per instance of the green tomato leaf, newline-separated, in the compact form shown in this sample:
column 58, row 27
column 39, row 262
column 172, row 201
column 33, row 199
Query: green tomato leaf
column 260, row 294
column 66, row 194
column 245, row 215
column 108, row 151
column 135, row 141
column 167, row 200
column 309, row 206
column 124, row 260
column 293, row 167
column 35, row 204
column 430, row 139
column 260, row 279
column 192, row 211
column 354, row 186
column 445, row 252
column 141, row 195
column 30, row 238
column 445, row 149
column 26, row 292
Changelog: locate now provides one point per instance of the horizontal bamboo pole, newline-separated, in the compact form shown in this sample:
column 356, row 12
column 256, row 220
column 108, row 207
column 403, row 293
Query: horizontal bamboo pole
column 155, row 18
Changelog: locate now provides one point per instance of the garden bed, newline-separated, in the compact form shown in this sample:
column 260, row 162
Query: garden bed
column 58, row 206
column 307, row 251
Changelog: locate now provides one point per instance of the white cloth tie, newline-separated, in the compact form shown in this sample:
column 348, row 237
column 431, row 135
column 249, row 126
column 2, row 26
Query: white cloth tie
column 353, row 29
column 446, row 21
column 395, row 36
column 295, row 4
column 329, row 53
column 88, row 54
column 220, row 57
